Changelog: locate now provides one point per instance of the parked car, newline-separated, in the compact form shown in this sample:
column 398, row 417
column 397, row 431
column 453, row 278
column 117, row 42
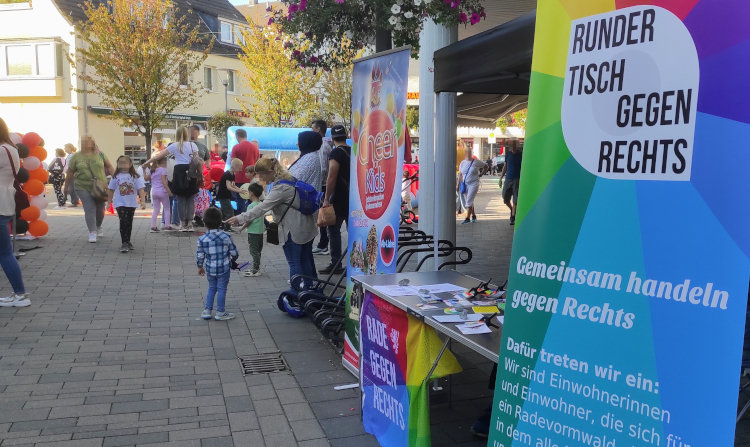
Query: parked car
column 497, row 164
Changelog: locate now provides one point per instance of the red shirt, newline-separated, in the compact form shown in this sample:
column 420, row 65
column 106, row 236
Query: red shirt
column 249, row 154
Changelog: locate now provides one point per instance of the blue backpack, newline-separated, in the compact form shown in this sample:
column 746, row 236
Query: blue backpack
column 310, row 199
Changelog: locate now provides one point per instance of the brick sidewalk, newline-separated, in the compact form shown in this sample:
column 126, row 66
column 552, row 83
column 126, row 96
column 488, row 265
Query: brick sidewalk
column 112, row 352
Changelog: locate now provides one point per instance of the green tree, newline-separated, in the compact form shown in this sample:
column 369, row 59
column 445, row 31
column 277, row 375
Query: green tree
column 282, row 94
column 220, row 122
column 142, row 73
column 412, row 117
column 515, row 119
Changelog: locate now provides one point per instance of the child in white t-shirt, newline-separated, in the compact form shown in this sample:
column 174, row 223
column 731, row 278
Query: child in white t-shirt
column 122, row 189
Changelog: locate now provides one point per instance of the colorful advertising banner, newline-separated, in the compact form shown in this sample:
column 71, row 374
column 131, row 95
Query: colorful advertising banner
column 629, row 272
column 378, row 135
column 398, row 353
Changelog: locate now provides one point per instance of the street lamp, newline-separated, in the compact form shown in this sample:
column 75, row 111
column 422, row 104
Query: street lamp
column 225, row 83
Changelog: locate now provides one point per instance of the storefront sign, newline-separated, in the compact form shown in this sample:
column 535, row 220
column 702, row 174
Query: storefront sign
column 169, row 116
column 378, row 135
column 629, row 273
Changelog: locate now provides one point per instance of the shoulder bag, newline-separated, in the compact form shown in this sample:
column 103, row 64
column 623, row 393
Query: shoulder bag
column 462, row 187
column 194, row 168
column 98, row 187
column 272, row 229
column 22, row 199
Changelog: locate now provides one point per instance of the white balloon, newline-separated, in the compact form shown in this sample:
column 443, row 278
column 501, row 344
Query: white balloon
column 39, row 202
column 15, row 138
column 31, row 163
column 45, row 166
column 42, row 215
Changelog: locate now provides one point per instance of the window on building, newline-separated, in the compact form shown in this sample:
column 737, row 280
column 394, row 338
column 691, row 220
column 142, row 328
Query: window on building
column 20, row 60
column 208, row 78
column 226, row 32
column 230, row 81
column 184, row 75
column 43, row 59
column 239, row 38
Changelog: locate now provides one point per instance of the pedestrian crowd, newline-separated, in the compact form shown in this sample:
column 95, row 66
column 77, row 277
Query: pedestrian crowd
column 176, row 180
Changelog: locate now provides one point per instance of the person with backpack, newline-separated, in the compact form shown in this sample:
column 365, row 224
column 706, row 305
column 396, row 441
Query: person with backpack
column 188, row 170
column 320, row 127
column 337, row 194
column 293, row 219
column 57, row 177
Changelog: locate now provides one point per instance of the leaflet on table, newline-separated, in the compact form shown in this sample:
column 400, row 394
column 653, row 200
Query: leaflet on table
column 397, row 290
column 473, row 328
column 457, row 318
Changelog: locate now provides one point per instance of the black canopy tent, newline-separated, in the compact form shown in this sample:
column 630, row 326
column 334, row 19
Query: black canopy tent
column 491, row 70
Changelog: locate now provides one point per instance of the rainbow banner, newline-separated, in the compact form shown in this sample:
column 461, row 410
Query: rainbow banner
column 629, row 273
column 398, row 352
column 378, row 133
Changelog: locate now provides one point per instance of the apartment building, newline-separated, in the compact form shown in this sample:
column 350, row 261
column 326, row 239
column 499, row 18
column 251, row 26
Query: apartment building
column 36, row 79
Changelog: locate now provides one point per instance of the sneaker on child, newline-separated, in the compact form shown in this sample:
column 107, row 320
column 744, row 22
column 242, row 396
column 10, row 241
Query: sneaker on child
column 15, row 301
column 223, row 316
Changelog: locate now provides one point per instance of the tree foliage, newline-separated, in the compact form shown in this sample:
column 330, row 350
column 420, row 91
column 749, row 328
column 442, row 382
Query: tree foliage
column 220, row 122
column 282, row 94
column 515, row 119
column 137, row 66
column 325, row 33
column 412, row 117
column 337, row 89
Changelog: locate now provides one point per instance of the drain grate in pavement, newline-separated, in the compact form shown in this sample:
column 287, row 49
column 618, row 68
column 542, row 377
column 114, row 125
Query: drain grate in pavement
column 262, row 363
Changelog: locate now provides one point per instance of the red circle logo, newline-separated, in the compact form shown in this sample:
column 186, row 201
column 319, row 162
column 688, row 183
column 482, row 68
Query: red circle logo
column 387, row 245
column 377, row 161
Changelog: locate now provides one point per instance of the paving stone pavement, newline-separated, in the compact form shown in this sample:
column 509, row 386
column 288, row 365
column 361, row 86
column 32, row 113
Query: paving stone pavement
column 112, row 352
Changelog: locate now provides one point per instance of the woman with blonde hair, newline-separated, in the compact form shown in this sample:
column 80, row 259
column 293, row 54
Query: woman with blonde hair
column 85, row 166
column 467, row 185
column 296, row 230
column 70, row 150
column 185, row 187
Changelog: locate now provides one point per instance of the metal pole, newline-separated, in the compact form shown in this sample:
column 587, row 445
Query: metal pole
column 226, row 101
column 436, row 196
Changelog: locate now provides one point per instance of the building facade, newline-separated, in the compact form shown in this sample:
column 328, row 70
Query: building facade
column 37, row 80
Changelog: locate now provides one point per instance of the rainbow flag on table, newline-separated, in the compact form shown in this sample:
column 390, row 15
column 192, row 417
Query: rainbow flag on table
column 397, row 354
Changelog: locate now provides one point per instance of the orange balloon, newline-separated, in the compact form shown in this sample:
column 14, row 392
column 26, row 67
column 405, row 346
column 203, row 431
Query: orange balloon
column 38, row 152
column 38, row 228
column 39, row 174
column 33, row 187
column 31, row 213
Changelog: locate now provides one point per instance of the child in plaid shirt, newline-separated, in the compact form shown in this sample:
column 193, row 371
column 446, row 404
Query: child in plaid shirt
column 216, row 252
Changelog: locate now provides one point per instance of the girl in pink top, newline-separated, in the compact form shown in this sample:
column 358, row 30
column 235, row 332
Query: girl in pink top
column 160, row 195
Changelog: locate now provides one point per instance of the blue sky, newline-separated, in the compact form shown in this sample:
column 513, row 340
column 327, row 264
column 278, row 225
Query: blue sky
column 238, row 2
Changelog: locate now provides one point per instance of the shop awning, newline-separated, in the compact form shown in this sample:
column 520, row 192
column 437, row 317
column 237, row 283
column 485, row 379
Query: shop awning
column 491, row 69
column 482, row 110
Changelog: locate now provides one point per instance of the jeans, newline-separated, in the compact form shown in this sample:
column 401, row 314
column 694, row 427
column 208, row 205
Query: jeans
column 323, row 242
column 186, row 209
column 175, row 211
column 73, row 195
column 334, row 234
column 7, row 260
column 300, row 258
column 161, row 201
column 241, row 203
column 217, row 287
column 255, row 243
column 93, row 210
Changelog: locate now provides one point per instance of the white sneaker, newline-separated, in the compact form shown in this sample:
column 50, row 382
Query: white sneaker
column 15, row 301
column 100, row 232
column 58, row 207
column 251, row 273
column 92, row 238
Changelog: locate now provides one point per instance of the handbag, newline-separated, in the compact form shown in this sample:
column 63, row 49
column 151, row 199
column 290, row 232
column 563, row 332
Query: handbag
column 98, row 187
column 462, row 187
column 21, row 198
column 272, row 229
column 194, row 168
column 326, row 216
